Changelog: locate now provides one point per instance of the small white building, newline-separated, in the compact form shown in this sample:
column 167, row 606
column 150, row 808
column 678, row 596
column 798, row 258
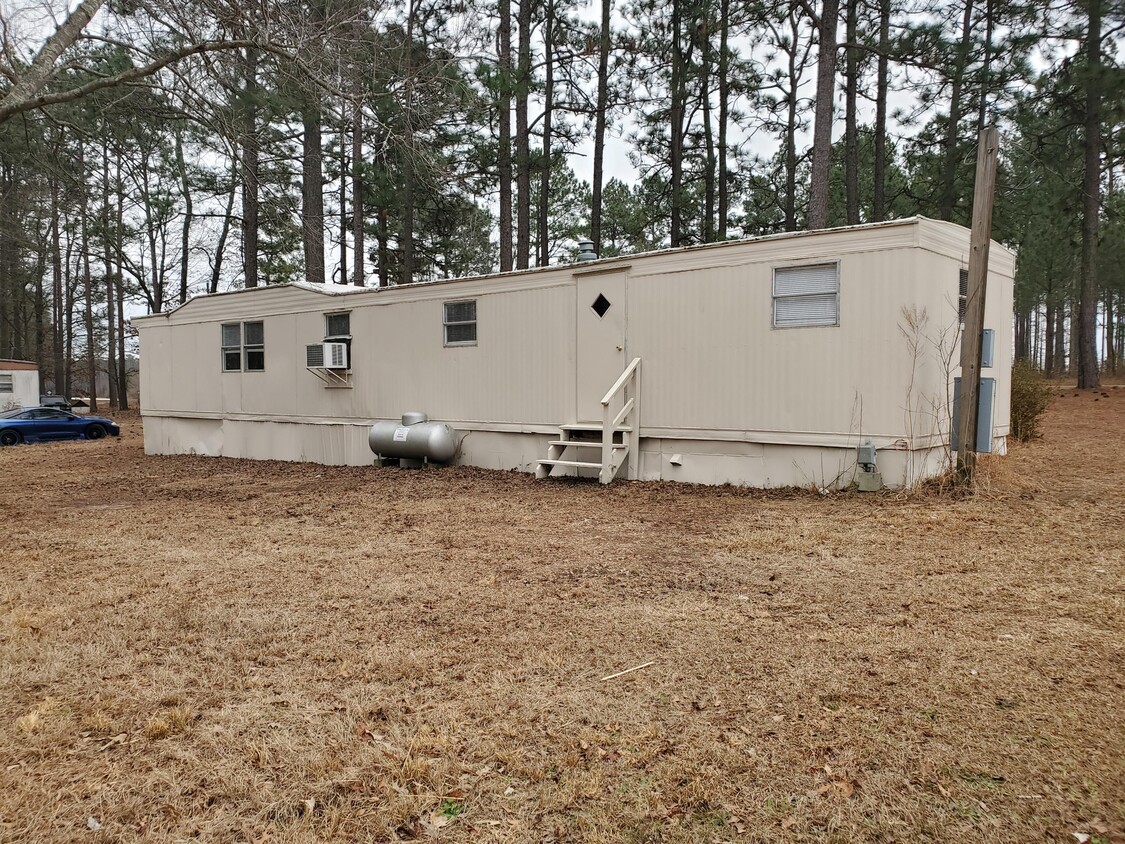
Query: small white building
column 19, row 384
column 763, row 362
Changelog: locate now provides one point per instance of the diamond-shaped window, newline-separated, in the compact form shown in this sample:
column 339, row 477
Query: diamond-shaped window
column 601, row 305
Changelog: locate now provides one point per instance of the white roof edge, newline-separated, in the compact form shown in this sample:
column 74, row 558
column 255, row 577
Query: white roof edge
column 325, row 290
column 346, row 290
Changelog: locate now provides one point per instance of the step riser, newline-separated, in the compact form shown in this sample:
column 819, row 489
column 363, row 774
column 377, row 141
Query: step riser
column 586, row 436
column 574, row 464
column 583, row 443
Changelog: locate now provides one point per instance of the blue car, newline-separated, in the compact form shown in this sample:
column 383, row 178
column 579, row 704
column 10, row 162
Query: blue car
column 46, row 423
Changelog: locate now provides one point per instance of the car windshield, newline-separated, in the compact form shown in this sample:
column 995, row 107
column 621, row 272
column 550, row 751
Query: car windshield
column 11, row 414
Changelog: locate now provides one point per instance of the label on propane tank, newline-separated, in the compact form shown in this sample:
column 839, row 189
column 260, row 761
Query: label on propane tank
column 401, row 433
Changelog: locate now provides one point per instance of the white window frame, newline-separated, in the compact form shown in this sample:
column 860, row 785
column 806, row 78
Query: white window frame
column 346, row 339
column 330, row 337
column 243, row 348
column 253, row 347
column 225, row 348
column 446, row 323
column 7, row 383
column 774, row 296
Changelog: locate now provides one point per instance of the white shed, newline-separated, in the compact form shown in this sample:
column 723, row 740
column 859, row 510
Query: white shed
column 19, row 384
column 763, row 362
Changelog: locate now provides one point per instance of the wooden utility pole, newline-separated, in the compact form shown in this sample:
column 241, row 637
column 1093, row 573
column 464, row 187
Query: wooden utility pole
column 984, row 194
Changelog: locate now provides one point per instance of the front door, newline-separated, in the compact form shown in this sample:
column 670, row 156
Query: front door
column 601, row 338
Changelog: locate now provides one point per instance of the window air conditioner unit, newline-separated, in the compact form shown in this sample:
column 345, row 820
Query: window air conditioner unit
column 326, row 356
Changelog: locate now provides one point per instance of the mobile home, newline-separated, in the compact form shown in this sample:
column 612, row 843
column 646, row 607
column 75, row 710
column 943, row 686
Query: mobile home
column 19, row 384
column 763, row 362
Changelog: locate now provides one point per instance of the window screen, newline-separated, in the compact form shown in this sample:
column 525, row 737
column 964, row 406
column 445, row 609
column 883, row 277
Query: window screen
column 232, row 347
column 255, row 346
column 6, row 384
column 249, row 355
column 460, row 322
column 337, row 325
column 806, row 296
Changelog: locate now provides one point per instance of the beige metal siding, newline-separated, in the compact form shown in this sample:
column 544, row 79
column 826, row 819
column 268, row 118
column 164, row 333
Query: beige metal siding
column 25, row 387
column 713, row 360
column 701, row 320
column 520, row 371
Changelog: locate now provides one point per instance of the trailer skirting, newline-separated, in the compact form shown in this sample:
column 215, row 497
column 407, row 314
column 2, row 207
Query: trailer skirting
column 703, row 461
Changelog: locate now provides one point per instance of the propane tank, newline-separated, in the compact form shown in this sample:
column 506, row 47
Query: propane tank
column 414, row 437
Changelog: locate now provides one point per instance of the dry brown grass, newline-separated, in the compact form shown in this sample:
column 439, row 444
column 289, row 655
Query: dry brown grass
column 238, row 651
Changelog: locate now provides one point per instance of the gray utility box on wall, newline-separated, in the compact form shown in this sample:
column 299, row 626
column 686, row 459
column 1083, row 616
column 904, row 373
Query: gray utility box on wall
column 987, row 347
column 984, row 415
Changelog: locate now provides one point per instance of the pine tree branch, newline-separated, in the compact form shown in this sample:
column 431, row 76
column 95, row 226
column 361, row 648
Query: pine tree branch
column 14, row 103
column 42, row 67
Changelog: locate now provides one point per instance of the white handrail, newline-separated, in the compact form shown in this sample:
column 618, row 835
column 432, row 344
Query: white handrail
column 620, row 382
column 629, row 380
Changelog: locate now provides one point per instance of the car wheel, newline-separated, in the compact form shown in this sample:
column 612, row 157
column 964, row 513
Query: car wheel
column 95, row 432
column 9, row 437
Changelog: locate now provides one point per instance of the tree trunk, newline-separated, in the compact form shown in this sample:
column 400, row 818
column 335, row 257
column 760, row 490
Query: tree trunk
column 1110, row 348
column 42, row 68
column 1035, row 337
column 523, row 142
column 107, row 263
column 406, row 233
column 224, row 233
column 88, row 285
column 119, row 245
column 185, row 237
column 724, row 115
column 40, row 307
column 154, row 290
column 7, row 245
column 250, row 176
column 822, row 126
column 1091, row 201
column 949, row 162
column 879, row 211
column 68, row 315
column 1075, row 339
column 678, row 106
column 1121, row 333
column 704, row 31
column 544, row 223
column 504, row 162
column 382, row 236
column 791, row 129
column 600, row 126
column 1049, row 342
column 358, row 241
column 1021, row 352
column 57, row 372
column 312, row 194
column 851, row 131
column 1118, row 332
column 344, row 170
column 1058, row 337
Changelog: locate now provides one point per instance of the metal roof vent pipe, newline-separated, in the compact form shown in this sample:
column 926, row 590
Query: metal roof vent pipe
column 586, row 251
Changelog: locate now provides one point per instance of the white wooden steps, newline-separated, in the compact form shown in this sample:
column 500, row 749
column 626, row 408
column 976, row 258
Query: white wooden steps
column 580, row 439
column 615, row 438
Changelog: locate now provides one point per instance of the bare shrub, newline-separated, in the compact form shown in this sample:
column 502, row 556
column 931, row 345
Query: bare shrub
column 1030, row 396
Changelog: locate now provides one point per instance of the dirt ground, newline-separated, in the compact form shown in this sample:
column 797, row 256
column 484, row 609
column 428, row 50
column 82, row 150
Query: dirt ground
column 226, row 650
